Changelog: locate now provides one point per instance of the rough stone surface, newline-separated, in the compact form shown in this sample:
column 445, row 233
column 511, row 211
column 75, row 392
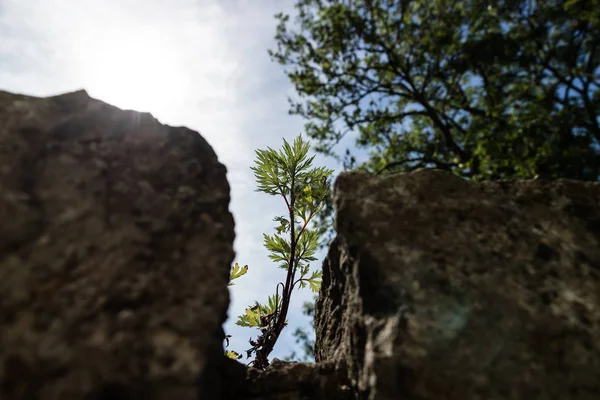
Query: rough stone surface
column 285, row 381
column 440, row 288
column 115, row 248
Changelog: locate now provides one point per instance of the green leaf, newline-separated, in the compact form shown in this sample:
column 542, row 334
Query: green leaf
column 236, row 272
column 251, row 318
column 233, row 355
column 315, row 281
column 284, row 224
column 278, row 247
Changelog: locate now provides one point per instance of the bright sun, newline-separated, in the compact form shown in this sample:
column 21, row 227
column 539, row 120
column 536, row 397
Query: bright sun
column 139, row 70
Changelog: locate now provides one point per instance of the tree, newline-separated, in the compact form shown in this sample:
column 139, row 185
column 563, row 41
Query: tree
column 288, row 174
column 487, row 90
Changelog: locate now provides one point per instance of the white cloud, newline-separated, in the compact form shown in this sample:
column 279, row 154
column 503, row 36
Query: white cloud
column 198, row 63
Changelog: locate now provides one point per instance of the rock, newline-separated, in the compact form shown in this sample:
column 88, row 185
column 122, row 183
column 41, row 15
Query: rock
column 284, row 380
column 440, row 288
column 115, row 248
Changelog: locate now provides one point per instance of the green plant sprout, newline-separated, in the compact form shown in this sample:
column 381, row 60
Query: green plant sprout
column 286, row 173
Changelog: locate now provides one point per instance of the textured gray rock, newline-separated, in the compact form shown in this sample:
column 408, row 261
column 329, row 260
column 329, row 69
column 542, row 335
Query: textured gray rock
column 440, row 288
column 115, row 248
column 284, row 381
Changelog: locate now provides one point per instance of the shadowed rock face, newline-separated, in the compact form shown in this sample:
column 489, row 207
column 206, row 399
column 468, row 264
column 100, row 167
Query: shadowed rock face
column 284, row 380
column 115, row 249
column 440, row 288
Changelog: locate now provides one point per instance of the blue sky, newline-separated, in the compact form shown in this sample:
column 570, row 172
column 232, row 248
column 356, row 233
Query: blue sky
column 198, row 63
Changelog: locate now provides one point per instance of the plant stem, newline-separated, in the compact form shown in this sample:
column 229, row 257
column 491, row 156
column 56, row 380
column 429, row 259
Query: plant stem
column 262, row 354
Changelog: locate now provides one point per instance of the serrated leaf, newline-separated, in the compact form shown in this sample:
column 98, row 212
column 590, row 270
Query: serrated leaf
column 315, row 281
column 236, row 272
column 251, row 318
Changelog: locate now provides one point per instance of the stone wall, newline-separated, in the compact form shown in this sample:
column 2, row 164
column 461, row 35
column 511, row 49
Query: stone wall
column 116, row 243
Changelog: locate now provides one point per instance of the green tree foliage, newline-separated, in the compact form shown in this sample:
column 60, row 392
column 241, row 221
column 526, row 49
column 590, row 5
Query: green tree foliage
column 485, row 89
column 286, row 173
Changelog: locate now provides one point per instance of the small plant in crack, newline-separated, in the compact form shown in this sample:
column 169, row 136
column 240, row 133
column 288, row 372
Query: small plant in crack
column 287, row 173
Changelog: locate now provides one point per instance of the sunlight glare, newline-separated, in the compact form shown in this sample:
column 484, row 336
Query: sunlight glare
column 137, row 70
